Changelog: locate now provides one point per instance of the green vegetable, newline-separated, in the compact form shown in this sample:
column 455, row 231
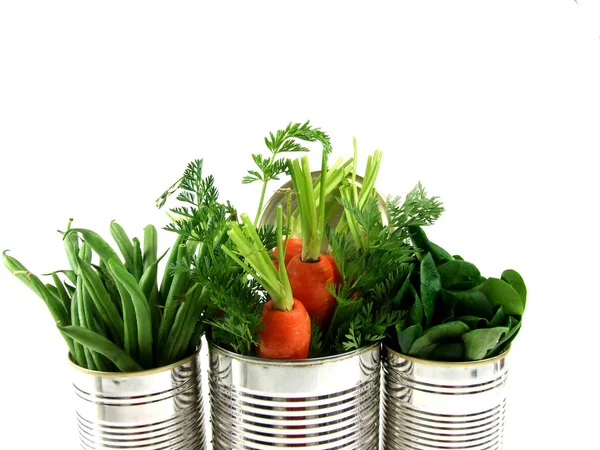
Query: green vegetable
column 142, row 312
column 479, row 342
column 484, row 312
column 408, row 336
column 458, row 275
column 102, row 301
column 502, row 294
column 426, row 344
column 430, row 287
column 102, row 345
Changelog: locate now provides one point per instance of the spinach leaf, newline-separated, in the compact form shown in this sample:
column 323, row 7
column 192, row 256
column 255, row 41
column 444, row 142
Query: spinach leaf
column 449, row 351
column 502, row 294
column 416, row 313
column 397, row 301
column 407, row 337
column 504, row 343
column 479, row 342
column 513, row 278
column 423, row 246
column 472, row 322
column 498, row 318
column 472, row 302
column 430, row 287
column 459, row 275
column 423, row 346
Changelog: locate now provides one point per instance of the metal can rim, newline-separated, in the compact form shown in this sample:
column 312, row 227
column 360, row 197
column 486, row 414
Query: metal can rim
column 429, row 362
column 140, row 373
column 292, row 362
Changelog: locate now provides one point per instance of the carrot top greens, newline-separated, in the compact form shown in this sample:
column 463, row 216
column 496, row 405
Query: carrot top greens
column 257, row 261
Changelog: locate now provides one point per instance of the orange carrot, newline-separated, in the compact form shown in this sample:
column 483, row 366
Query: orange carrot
column 285, row 333
column 309, row 281
column 294, row 247
column 311, row 273
column 286, row 324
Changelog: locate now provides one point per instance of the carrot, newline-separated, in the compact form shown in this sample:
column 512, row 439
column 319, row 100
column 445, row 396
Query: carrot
column 278, row 337
column 294, row 247
column 311, row 273
column 286, row 324
column 310, row 281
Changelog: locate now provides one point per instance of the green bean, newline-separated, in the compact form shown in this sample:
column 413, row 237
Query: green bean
column 148, row 280
column 85, row 252
column 102, row 300
column 83, row 321
column 78, row 353
column 138, row 267
column 124, row 244
column 62, row 292
column 150, row 253
column 71, row 243
column 178, row 286
column 149, row 286
column 57, row 309
column 167, row 279
column 142, row 312
column 182, row 341
column 102, row 345
column 110, row 285
column 53, row 291
column 70, row 274
column 85, row 308
column 172, row 343
column 129, row 322
column 99, row 245
column 156, row 315
column 70, row 289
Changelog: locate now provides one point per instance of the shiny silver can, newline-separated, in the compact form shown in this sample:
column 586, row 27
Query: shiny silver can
column 320, row 403
column 450, row 405
column 153, row 409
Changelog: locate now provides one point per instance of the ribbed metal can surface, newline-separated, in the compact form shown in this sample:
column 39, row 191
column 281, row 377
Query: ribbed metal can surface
column 151, row 410
column 321, row 403
column 437, row 405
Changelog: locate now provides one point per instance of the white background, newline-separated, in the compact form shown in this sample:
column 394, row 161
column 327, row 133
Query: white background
column 493, row 105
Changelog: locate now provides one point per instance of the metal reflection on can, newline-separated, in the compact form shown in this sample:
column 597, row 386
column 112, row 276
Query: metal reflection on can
column 321, row 403
column 432, row 405
column 153, row 409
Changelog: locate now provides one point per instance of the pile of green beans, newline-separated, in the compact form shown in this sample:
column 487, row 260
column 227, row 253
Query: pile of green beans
column 109, row 306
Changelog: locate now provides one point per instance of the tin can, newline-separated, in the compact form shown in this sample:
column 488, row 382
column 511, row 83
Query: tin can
column 153, row 409
column 450, row 405
column 320, row 403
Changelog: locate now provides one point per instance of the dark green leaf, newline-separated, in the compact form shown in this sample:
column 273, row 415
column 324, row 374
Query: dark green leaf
column 430, row 287
column 445, row 332
column 469, row 303
column 407, row 337
column 459, row 275
column 424, row 245
column 479, row 342
column 502, row 294
column 450, row 351
column 472, row 322
column 513, row 278
column 505, row 342
column 498, row 318
column 404, row 290
column 415, row 314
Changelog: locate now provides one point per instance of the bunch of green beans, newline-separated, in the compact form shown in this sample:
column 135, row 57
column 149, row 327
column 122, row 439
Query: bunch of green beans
column 110, row 308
